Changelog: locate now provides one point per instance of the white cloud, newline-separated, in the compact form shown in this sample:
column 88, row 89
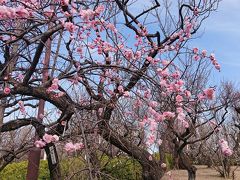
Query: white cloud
column 226, row 19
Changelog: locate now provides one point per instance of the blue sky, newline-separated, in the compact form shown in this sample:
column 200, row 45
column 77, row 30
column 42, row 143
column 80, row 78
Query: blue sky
column 221, row 35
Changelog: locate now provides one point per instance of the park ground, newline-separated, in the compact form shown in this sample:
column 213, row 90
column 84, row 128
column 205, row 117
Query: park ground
column 203, row 173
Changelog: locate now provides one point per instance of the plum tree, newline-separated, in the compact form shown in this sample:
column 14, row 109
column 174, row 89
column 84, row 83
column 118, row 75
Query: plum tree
column 99, row 64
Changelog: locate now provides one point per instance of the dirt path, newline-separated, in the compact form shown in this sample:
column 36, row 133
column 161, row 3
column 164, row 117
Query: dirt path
column 203, row 173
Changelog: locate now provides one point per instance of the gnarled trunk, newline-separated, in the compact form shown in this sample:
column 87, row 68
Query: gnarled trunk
column 182, row 161
column 151, row 169
column 185, row 163
column 151, row 172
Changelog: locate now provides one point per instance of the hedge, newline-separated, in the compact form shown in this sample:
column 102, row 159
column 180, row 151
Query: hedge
column 18, row 171
column 122, row 168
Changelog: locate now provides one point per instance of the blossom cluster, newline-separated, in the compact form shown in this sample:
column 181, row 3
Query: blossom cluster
column 54, row 87
column 70, row 147
column 197, row 56
column 225, row 148
column 13, row 13
column 207, row 94
column 46, row 139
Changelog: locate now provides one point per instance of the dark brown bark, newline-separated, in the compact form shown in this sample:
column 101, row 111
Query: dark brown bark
column 18, row 123
column 53, row 162
column 185, row 163
column 33, row 161
column 182, row 161
column 151, row 171
column 34, row 156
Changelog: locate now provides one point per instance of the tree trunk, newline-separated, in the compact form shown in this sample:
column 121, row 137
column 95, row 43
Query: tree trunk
column 185, row 163
column 34, row 155
column 53, row 162
column 151, row 169
column 151, row 172
column 2, row 110
column 226, row 168
column 192, row 173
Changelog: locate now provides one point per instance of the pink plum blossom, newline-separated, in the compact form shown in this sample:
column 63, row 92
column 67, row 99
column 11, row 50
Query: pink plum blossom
column 21, row 107
column 40, row 143
column 212, row 56
column 128, row 54
column 55, row 138
column 153, row 104
column 195, row 50
column 204, row 53
column 87, row 14
column 22, row 12
column 65, row 2
column 126, row 94
column 168, row 115
column 7, row 90
column 70, row 27
column 55, row 81
column 196, row 57
column 209, row 93
column 159, row 142
column 201, row 97
column 225, row 148
column 54, row 86
column 187, row 93
column 79, row 146
column 47, row 138
column 179, row 98
column 150, row 158
column 50, row 138
column 70, row 147
column 99, row 9
column 120, row 89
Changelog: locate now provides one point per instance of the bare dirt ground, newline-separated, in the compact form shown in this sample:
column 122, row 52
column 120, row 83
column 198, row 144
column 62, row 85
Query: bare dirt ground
column 203, row 173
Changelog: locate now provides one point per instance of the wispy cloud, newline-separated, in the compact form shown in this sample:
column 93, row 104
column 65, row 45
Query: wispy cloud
column 226, row 19
column 222, row 34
